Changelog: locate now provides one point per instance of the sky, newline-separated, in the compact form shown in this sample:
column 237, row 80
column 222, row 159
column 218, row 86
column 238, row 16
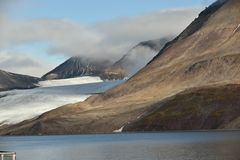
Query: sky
column 36, row 36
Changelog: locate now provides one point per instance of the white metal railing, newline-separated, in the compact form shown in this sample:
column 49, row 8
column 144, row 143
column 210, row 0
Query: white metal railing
column 6, row 155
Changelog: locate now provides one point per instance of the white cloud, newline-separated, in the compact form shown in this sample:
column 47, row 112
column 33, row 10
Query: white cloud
column 108, row 40
column 23, row 63
column 105, row 39
column 148, row 26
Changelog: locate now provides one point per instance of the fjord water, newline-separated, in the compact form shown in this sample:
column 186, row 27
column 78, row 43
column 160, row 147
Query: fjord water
column 137, row 146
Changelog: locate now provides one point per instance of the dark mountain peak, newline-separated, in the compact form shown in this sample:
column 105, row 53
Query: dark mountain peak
column 10, row 81
column 129, row 64
column 77, row 67
column 155, row 44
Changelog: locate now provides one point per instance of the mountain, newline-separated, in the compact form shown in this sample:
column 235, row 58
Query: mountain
column 77, row 67
column 181, row 112
column 128, row 65
column 10, row 81
column 136, row 58
column 193, row 83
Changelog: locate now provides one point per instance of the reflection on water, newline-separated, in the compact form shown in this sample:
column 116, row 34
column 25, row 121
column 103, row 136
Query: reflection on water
column 143, row 146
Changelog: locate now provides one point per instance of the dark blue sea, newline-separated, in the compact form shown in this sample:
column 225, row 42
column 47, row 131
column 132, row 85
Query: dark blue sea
column 137, row 146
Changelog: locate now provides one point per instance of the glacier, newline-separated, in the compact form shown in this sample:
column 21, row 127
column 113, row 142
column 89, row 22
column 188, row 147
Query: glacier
column 20, row 105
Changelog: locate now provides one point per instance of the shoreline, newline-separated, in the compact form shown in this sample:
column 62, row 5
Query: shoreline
column 122, row 133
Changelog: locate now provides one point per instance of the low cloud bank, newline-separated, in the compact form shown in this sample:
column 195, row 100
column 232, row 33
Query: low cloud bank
column 104, row 40
column 109, row 39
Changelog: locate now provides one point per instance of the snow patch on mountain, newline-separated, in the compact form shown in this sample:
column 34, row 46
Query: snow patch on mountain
column 118, row 130
column 70, row 81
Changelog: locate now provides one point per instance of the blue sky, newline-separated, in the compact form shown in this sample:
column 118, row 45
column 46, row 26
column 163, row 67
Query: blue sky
column 47, row 32
column 91, row 11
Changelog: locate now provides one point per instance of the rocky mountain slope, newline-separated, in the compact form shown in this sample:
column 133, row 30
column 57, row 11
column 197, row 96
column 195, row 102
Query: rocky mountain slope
column 181, row 112
column 136, row 58
column 10, row 81
column 77, row 67
column 194, row 78
column 128, row 65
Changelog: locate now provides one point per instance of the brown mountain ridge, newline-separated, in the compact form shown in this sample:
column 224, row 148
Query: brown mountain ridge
column 193, row 83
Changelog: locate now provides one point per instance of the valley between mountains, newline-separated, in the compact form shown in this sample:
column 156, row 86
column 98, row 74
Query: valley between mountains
column 193, row 83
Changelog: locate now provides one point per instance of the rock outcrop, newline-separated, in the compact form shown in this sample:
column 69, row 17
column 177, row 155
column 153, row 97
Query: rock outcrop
column 10, row 81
